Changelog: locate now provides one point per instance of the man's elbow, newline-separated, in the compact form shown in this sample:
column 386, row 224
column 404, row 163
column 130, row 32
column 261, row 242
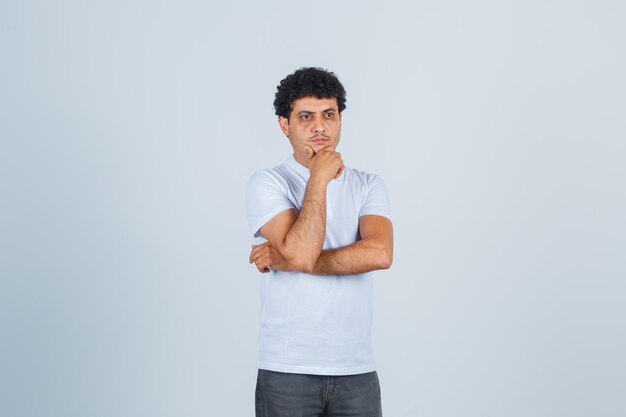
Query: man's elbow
column 386, row 259
column 302, row 265
column 300, row 259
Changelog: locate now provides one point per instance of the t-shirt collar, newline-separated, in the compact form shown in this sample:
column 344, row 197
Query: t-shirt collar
column 304, row 171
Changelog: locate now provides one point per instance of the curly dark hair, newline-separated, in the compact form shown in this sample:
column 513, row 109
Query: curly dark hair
column 305, row 82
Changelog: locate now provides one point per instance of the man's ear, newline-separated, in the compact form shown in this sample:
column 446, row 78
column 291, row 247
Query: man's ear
column 283, row 122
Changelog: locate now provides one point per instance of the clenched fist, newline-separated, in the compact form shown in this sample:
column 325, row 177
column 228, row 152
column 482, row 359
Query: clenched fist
column 266, row 257
column 324, row 165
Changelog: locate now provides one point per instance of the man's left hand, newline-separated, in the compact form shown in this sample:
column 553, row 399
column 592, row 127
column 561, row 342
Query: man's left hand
column 266, row 257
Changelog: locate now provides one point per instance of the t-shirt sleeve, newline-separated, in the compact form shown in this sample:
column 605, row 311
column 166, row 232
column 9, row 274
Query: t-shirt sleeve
column 266, row 196
column 376, row 198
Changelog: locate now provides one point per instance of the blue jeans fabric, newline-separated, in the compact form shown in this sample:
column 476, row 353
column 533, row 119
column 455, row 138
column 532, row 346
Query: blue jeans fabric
column 280, row 394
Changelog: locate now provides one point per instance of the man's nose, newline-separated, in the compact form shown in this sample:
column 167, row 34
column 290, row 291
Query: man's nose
column 319, row 125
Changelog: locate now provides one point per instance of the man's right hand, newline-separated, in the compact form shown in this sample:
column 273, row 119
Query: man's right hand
column 298, row 236
column 324, row 165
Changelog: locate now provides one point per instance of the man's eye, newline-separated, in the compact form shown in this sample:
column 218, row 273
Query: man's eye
column 306, row 117
column 330, row 114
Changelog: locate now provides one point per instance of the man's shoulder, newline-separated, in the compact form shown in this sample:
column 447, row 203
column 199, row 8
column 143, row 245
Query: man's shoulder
column 277, row 175
column 362, row 177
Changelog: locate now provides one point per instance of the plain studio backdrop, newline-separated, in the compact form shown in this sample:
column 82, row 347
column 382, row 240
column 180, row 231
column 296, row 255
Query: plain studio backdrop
column 128, row 132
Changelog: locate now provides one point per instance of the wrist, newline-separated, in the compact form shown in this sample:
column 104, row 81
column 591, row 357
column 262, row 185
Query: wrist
column 318, row 182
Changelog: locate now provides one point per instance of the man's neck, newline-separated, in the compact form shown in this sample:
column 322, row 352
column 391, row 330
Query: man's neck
column 301, row 160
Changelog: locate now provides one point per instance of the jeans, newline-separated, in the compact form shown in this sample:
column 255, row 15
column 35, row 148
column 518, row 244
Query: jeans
column 280, row 394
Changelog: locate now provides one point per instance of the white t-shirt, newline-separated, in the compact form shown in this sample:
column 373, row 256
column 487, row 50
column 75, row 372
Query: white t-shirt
column 316, row 324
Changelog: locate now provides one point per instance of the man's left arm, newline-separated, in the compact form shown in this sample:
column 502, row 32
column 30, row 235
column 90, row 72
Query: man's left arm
column 373, row 251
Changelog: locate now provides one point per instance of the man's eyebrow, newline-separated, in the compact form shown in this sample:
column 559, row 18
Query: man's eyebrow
column 311, row 112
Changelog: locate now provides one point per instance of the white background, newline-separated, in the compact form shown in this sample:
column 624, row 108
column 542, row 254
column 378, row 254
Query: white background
column 129, row 129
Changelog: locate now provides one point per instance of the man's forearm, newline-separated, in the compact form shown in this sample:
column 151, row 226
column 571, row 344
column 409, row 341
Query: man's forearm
column 357, row 258
column 305, row 239
column 299, row 238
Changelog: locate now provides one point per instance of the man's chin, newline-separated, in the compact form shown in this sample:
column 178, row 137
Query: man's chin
column 317, row 146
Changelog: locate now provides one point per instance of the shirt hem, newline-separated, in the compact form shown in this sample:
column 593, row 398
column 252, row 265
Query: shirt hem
column 295, row 369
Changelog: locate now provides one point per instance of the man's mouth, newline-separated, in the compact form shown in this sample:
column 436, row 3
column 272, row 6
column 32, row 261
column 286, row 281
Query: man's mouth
column 319, row 140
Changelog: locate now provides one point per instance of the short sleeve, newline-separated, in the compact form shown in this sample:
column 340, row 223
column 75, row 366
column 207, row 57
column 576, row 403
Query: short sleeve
column 376, row 198
column 266, row 196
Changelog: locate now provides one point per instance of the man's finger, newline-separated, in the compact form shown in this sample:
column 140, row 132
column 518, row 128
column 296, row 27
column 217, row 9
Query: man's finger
column 254, row 257
column 339, row 172
column 260, row 249
column 256, row 249
column 253, row 252
column 262, row 263
column 263, row 269
column 327, row 148
column 310, row 153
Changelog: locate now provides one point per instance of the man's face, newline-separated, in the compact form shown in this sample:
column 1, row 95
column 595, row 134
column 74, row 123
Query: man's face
column 315, row 122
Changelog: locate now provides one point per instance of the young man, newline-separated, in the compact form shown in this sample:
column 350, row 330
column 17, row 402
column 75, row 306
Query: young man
column 322, row 227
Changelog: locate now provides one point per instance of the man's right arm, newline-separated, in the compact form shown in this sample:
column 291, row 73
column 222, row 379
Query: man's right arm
column 299, row 238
